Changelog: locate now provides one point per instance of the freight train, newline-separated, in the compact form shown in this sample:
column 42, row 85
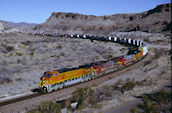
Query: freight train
column 57, row 79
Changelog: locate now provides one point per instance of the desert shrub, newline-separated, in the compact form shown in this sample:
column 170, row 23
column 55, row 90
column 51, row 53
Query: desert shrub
column 110, row 56
column 160, row 102
column 81, row 107
column 165, row 22
column 162, row 97
column 146, row 40
column 80, row 95
column 128, row 86
column 59, row 47
column 97, row 57
column 19, row 53
column 4, row 80
column 117, row 86
column 167, row 27
column 131, row 18
column 65, row 28
column 105, row 17
column 128, row 79
column 133, row 110
column 147, row 106
column 123, row 86
column 47, row 107
column 9, row 48
column 120, row 80
column 92, row 101
column 18, row 61
column 98, row 106
column 62, row 54
column 147, row 62
column 18, row 79
column 57, row 57
column 108, row 93
column 32, row 53
column 159, row 41
column 26, row 43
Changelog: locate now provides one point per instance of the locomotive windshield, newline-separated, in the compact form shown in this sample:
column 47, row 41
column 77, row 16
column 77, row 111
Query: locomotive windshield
column 47, row 74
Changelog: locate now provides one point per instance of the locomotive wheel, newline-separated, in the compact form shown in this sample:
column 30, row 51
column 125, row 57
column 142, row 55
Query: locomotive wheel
column 84, row 78
column 45, row 89
column 61, row 86
column 89, row 78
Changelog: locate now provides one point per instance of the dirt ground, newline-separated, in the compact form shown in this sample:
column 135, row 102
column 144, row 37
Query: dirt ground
column 24, row 58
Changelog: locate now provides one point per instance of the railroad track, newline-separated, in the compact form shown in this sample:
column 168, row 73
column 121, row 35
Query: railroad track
column 29, row 101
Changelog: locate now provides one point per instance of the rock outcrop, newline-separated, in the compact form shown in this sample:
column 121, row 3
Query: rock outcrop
column 154, row 20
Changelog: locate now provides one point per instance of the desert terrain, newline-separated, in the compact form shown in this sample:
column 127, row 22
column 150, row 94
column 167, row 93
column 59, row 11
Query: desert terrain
column 26, row 53
column 24, row 58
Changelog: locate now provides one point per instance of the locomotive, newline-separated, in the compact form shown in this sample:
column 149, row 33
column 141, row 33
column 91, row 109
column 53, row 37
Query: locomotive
column 57, row 79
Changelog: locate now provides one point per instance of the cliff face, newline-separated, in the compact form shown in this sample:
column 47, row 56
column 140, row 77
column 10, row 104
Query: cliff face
column 154, row 20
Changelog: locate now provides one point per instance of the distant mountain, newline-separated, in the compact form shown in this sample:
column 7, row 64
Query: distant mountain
column 154, row 20
column 21, row 25
column 4, row 25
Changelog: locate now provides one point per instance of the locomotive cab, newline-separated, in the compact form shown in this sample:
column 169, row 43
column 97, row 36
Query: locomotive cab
column 47, row 75
column 44, row 80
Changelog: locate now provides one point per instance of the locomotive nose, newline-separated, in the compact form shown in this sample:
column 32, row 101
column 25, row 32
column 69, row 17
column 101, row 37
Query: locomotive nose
column 42, row 78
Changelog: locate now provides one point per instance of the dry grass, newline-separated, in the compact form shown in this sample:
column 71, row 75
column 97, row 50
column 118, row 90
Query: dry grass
column 160, row 102
column 125, row 85
column 47, row 107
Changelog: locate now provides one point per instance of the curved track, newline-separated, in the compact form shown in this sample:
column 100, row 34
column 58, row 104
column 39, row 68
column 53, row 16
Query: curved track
column 29, row 101
column 57, row 79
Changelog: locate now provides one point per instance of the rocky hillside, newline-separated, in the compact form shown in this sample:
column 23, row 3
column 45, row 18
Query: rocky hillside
column 4, row 25
column 154, row 20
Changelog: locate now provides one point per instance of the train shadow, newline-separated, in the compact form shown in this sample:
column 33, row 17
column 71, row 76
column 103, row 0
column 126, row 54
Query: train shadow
column 37, row 90
column 138, row 96
column 168, row 86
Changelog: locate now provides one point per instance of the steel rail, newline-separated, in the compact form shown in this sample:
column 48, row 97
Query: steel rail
column 34, row 95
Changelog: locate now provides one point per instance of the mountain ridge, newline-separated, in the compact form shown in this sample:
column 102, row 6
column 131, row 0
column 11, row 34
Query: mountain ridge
column 153, row 20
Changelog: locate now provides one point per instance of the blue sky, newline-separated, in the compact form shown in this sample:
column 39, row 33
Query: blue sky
column 37, row 11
